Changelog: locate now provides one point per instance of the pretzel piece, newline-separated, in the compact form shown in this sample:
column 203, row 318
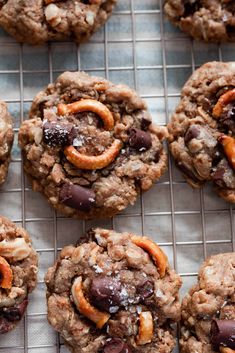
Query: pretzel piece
column 6, row 274
column 85, row 105
column 47, row 2
column 83, row 161
column 145, row 333
column 226, row 350
column 228, row 144
column 85, row 308
column 223, row 100
column 159, row 258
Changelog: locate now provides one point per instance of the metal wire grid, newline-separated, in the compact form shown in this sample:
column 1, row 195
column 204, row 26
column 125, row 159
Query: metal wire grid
column 187, row 224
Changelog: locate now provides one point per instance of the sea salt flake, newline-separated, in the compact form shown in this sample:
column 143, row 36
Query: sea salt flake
column 98, row 269
column 113, row 309
column 77, row 142
column 159, row 294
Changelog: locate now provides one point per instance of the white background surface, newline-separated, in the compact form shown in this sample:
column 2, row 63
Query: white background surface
column 138, row 48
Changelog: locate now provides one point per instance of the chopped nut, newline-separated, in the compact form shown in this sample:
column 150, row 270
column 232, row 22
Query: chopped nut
column 145, row 328
column 52, row 15
column 15, row 250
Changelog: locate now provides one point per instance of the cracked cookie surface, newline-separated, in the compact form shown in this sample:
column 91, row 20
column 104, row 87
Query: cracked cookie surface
column 90, row 146
column 39, row 21
column 113, row 292
column 18, row 273
column 210, row 302
column 207, row 20
column 6, row 140
column 203, row 126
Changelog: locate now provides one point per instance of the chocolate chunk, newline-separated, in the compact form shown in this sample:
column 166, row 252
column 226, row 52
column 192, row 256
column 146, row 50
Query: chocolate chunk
column 192, row 132
column 191, row 6
column 223, row 333
column 145, row 124
column 140, row 140
column 116, row 345
column 87, row 238
column 218, row 177
column 145, row 290
column 14, row 313
column 58, row 134
column 105, row 293
column 223, row 90
column 157, row 156
column 217, row 157
column 230, row 30
column 187, row 172
column 77, row 197
column 5, row 325
column 231, row 113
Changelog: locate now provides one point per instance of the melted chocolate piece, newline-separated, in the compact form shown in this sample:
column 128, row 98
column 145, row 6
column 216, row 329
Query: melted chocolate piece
column 192, row 132
column 5, row 325
column 105, row 293
column 191, row 6
column 218, row 177
column 87, row 238
column 58, row 134
column 145, row 290
column 145, row 124
column 15, row 313
column 140, row 140
column 77, row 197
column 223, row 333
column 187, row 171
column 116, row 345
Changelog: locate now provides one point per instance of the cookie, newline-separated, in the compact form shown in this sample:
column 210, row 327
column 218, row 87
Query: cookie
column 113, row 293
column 18, row 273
column 90, row 146
column 39, row 21
column 202, row 129
column 6, row 140
column 208, row 310
column 207, row 20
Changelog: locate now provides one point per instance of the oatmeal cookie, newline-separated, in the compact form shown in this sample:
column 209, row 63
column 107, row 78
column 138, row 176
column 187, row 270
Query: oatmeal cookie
column 208, row 310
column 18, row 273
column 207, row 20
column 202, row 129
column 90, row 146
column 113, row 293
column 39, row 21
column 6, row 140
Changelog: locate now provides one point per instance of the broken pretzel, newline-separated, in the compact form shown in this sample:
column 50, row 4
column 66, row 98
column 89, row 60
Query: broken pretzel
column 228, row 144
column 159, row 258
column 6, row 275
column 223, row 100
column 89, row 105
column 226, row 350
column 145, row 333
column 83, row 161
column 85, row 308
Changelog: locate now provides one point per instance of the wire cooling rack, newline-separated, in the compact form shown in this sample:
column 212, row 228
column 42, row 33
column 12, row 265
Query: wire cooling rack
column 139, row 48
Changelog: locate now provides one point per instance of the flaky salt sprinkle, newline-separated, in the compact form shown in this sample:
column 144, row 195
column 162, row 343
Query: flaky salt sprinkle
column 97, row 269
